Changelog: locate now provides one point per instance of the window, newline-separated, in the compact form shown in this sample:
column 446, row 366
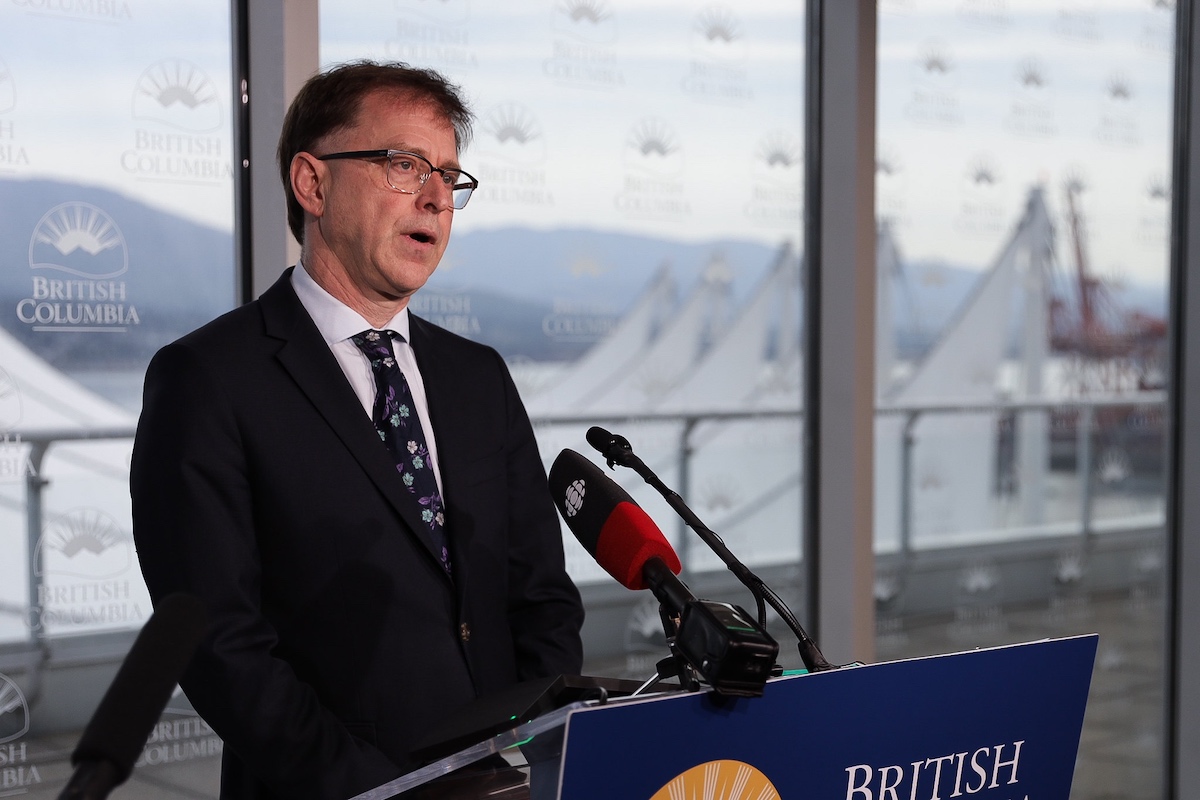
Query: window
column 1023, row 174
column 116, row 236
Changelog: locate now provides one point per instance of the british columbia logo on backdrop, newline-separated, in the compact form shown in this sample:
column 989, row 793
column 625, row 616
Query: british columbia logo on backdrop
column 1158, row 28
column 981, row 211
column 935, row 100
column 1077, row 21
column 512, row 156
column 179, row 736
column 179, row 94
column 987, row 14
column 84, row 561
column 433, row 33
column 10, row 402
column 16, row 464
column 177, row 141
column 1031, row 113
column 14, row 711
column 717, row 71
column 104, row 11
column 591, row 21
column 1154, row 221
column 583, row 48
column 8, row 90
column 891, row 185
column 777, row 180
column 76, row 254
column 653, row 182
column 17, row 775
column 1118, row 123
column 12, row 152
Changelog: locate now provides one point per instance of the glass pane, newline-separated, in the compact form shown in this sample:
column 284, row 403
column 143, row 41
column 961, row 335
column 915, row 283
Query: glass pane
column 1022, row 181
column 116, row 236
column 632, row 252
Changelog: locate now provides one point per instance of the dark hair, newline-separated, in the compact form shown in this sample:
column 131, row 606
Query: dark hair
column 329, row 101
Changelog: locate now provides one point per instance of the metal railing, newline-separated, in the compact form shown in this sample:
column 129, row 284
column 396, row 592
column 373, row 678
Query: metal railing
column 912, row 412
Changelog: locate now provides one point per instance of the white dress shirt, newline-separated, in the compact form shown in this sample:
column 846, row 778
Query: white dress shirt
column 337, row 322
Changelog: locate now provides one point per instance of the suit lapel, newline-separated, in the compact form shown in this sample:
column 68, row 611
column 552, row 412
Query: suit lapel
column 308, row 360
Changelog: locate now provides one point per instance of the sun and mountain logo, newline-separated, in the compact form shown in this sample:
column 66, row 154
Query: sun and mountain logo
column 8, row 90
column 179, row 94
column 75, row 252
column 85, row 543
column 779, row 156
column 81, row 240
column 653, row 146
column 514, row 134
column 590, row 21
column 10, row 402
column 14, row 711
column 451, row 12
column 716, row 34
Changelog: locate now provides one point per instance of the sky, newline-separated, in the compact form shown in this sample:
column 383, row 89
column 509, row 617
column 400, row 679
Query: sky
column 671, row 119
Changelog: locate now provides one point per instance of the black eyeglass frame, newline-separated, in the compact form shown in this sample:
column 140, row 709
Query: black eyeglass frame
column 460, row 191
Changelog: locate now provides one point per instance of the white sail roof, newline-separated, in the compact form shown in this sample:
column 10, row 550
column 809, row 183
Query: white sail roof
column 657, row 368
column 612, row 356
column 36, row 397
column 760, row 347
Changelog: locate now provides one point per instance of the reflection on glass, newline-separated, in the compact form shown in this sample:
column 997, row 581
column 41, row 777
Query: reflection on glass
column 116, row 236
column 1021, row 179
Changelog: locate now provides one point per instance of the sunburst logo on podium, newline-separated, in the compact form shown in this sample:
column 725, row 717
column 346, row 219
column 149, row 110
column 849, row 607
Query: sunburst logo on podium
column 719, row 780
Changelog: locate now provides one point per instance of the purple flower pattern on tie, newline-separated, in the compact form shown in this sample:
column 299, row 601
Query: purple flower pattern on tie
column 400, row 430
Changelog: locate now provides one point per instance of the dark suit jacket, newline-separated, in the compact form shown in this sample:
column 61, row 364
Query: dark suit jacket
column 260, row 485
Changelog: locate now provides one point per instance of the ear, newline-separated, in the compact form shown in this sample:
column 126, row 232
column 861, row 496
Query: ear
column 308, row 176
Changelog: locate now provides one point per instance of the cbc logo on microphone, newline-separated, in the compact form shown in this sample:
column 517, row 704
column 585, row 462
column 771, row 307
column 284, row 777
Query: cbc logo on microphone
column 574, row 498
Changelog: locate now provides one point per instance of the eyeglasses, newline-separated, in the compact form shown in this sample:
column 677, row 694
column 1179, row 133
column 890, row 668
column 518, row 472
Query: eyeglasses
column 407, row 173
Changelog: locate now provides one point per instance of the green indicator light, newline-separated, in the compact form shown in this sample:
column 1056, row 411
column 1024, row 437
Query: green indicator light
column 789, row 672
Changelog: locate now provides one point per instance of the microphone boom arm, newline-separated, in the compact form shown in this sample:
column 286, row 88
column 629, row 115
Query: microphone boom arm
column 617, row 450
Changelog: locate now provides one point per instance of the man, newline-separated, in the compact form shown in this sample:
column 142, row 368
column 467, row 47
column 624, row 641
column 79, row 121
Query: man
column 356, row 594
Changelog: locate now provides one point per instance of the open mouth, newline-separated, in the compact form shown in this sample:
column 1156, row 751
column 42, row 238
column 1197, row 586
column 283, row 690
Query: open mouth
column 423, row 238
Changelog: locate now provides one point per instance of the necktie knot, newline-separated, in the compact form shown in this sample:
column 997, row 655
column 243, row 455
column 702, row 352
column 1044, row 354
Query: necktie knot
column 377, row 347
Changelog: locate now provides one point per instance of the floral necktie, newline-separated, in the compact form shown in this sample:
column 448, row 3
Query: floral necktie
column 396, row 422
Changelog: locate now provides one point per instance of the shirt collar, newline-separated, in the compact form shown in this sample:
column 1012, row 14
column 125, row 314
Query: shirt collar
column 334, row 319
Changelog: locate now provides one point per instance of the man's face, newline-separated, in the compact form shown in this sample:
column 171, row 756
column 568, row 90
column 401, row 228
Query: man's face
column 377, row 244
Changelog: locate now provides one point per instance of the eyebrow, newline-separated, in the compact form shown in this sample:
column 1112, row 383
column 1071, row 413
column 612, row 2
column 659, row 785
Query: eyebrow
column 452, row 164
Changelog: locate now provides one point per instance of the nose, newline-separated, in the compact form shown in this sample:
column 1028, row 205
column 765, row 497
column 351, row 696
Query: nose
column 435, row 193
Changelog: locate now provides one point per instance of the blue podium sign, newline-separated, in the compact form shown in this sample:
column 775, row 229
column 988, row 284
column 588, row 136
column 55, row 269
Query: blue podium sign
column 996, row 724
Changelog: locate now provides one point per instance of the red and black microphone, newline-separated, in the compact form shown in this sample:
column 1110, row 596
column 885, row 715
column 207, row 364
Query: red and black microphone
column 608, row 523
column 720, row 641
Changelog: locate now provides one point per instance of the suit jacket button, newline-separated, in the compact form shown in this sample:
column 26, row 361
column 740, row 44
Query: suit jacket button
column 464, row 632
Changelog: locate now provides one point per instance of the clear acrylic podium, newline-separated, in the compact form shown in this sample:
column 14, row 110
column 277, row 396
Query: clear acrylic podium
column 1002, row 722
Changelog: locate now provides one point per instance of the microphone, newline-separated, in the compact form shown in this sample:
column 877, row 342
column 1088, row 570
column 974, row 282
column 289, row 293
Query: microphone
column 607, row 522
column 117, row 731
column 720, row 641
column 617, row 450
